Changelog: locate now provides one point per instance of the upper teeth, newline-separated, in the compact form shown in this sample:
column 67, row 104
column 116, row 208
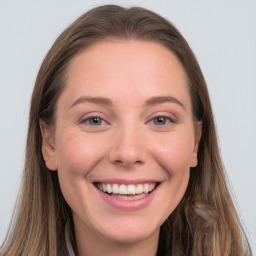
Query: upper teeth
column 126, row 189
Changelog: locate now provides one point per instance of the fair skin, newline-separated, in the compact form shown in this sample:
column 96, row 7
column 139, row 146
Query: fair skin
column 124, row 118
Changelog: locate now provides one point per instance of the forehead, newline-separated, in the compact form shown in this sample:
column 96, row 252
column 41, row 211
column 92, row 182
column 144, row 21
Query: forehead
column 114, row 68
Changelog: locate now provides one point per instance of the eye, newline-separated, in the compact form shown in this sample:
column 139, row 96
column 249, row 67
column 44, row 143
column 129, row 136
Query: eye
column 94, row 121
column 161, row 120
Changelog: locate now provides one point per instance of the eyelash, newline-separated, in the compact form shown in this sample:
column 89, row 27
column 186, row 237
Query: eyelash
column 91, row 118
column 164, row 119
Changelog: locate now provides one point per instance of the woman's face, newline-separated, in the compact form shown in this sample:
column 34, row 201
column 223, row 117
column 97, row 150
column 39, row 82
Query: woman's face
column 124, row 140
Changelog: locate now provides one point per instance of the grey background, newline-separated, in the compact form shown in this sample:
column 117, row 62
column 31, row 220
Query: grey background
column 223, row 37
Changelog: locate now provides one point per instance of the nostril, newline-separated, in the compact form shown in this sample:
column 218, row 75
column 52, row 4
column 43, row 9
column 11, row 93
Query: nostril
column 127, row 162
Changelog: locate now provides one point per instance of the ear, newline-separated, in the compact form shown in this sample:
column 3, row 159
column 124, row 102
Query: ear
column 198, row 133
column 48, row 147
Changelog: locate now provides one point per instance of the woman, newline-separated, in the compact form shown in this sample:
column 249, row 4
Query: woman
column 122, row 155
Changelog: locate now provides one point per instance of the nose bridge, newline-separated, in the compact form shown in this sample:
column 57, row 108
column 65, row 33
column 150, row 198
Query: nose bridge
column 128, row 146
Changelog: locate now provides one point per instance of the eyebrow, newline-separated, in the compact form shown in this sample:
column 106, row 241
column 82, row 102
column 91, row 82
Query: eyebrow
column 107, row 102
column 95, row 100
column 163, row 99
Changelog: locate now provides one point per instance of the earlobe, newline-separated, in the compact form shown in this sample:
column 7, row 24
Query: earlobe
column 48, row 147
column 198, row 134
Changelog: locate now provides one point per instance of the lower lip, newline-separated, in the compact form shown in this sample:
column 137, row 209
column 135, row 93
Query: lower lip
column 128, row 205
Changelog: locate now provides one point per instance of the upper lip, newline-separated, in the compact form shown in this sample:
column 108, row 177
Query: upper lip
column 123, row 181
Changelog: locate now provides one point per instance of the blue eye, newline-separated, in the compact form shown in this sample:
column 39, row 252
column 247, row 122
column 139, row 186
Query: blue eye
column 94, row 121
column 161, row 120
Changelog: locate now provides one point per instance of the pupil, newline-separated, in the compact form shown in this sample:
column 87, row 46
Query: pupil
column 160, row 120
column 95, row 121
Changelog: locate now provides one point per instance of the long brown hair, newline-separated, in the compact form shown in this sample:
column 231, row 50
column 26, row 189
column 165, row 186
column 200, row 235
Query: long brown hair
column 204, row 223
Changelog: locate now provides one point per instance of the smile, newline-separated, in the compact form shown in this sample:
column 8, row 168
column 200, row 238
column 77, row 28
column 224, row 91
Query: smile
column 129, row 189
column 127, row 196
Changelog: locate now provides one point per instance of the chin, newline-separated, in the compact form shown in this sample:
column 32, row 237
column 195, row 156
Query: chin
column 131, row 236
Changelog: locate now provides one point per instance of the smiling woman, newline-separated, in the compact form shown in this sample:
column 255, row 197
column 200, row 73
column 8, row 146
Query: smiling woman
column 122, row 155
column 130, row 148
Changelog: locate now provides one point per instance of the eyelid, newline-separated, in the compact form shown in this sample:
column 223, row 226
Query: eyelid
column 170, row 116
column 87, row 121
column 91, row 115
column 168, row 121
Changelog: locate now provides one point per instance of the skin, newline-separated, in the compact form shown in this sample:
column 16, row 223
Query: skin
column 129, row 144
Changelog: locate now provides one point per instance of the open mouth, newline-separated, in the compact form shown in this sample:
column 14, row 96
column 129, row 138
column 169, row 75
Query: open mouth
column 127, row 191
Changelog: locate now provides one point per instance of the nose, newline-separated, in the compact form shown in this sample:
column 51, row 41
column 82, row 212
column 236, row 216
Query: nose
column 128, row 147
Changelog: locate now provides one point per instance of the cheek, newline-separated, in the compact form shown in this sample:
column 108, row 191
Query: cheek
column 174, row 156
column 175, row 152
column 76, row 154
